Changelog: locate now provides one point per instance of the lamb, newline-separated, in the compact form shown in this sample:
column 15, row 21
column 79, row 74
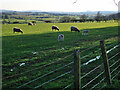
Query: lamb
column 61, row 37
column 85, row 32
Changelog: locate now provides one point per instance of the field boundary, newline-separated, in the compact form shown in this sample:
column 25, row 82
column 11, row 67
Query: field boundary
column 76, row 71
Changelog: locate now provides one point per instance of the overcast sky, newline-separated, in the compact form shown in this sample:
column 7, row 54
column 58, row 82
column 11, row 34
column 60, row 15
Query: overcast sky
column 60, row 5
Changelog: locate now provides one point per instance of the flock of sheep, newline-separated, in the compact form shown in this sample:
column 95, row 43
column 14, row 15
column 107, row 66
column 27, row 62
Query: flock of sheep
column 61, row 36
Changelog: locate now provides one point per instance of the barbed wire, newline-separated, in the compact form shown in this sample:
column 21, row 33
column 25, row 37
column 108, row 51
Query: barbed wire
column 110, row 67
column 93, row 79
column 52, row 72
column 46, row 64
column 114, row 63
column 91, row 71
column 100, row 74
column 115, row 75
column 45, row 74
column 112, row 45
column 89, row 48
column 97, row 83
column 88, row 54
column 67, row 86
column 114, row 56
column 66, row 72
column 53, row 79
column 38, row 67
column 115, row 69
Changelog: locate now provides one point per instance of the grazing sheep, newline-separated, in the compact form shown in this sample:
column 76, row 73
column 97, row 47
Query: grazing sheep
column 30, row 23
column 74, row 29
column 55, row 27
column 85, row 32
column 17, row 30
column 61, row 37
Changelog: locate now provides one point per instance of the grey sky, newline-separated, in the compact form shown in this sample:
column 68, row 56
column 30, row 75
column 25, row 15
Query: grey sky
column 60, row 5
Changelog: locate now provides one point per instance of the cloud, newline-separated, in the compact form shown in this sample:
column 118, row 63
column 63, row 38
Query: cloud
column 60, row 5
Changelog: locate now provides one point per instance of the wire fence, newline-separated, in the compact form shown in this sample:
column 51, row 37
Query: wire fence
column 54, row 79
column 92, row 80
column 98, row 76
column 70, row 71
column 46, row 74
column 38, row 67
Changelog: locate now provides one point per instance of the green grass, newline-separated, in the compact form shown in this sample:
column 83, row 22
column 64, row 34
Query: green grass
column 7, row 29
column 18, row 48
column 40, row 37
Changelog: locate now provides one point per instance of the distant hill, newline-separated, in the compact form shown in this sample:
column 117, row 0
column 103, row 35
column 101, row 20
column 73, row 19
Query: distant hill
column 69, row 13
column 87, row 12
column 6, row 10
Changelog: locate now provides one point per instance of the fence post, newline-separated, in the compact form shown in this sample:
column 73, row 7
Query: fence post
column 105, row 61
column 77, row 70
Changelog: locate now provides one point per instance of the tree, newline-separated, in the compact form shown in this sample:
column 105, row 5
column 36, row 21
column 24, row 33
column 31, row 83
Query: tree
column 98, row 17
column 6, row 16
column 116, row 2
column 83, row 16
column 65, row 19
column 73, row 19
column 113, row 1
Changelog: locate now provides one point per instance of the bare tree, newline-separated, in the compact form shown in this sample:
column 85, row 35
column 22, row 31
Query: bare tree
column 115, row 2
column 75, row 2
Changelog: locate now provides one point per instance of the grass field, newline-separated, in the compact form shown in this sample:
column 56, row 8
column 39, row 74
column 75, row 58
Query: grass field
column 40, row 39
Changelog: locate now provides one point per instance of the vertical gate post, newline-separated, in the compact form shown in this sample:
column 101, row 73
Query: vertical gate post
column 105, row 61
column 77, row 70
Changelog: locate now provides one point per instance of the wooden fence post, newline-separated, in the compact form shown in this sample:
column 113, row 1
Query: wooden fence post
column 77, row 70
column 105, row 61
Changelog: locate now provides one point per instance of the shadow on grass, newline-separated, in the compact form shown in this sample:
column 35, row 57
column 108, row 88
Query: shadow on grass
column 18, row 46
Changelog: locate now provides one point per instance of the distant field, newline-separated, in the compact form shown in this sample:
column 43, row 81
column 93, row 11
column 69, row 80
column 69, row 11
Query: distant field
column 18, row 48
column 7, row 29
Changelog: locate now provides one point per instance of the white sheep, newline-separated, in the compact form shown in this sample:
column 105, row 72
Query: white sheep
column 85, row 32
column 61, row 37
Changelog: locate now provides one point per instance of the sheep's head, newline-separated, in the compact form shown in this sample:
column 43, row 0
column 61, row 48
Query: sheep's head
column 21, row 31
column 58, row 29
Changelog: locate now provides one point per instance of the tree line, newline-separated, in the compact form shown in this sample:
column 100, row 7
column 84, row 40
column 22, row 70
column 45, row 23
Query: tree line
column 85, row 18
column 63, row 19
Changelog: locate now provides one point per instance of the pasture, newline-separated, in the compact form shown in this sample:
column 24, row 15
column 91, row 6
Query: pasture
column 38, row 46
